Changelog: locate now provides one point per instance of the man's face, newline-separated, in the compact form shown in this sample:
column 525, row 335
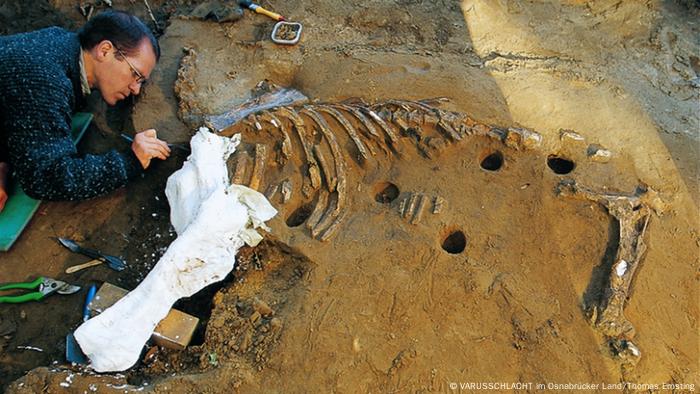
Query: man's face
column 118, row 75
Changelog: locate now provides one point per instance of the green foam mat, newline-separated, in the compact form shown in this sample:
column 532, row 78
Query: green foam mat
column 19, row 207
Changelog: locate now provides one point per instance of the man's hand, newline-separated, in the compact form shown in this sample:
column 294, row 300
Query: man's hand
column 146, row 146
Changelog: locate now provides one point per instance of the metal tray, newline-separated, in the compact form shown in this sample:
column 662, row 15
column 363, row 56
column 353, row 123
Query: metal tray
column 291, row 41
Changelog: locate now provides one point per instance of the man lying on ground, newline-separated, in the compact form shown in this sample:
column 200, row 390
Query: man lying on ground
column 44, row 76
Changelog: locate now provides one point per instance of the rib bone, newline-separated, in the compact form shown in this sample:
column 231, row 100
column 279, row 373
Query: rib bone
column 286, row 146
column 371, row 130
column 340, row 169
column 298, row 125
column 259, row 166
column 348, row 127
column 331, row 180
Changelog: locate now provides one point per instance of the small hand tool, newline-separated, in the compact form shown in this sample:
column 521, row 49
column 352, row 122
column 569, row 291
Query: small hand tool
column 171, row 146
column 88, row 299
column 254, row 7
column 44, row 287
column 113, row 262
column 78, row 267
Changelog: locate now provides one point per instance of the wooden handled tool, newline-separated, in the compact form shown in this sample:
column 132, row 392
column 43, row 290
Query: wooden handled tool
column 79, row 267
column 254, row 7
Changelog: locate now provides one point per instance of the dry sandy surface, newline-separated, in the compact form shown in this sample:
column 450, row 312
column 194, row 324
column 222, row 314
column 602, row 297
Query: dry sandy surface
column 394, row 302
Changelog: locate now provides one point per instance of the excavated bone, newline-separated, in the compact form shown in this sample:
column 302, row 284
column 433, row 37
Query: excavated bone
column 402, row 206
column 298, row 126
column 465, row 130
column 257, row 124
column 331, row 181
column 420, row 207
column 407, row 105
column 310, row 124
column 333, row 228
column 332, row 215
column 286, row 145
column 242, row 162
column 407, row 130
column 368, row 126
column 449, row 130
column 340, row 170
column 520, row 138
column 337, row 217
column 438, row 203
column 213, row 220
column 329, row 216
column 431, row 118
column 286, row 190
column 259, row 166
column 274, row 99
column 363, row 119
column 271, row 191
column 400, row 122
column 319, row 209
column 252, row 122
column 570, row 136
column 598, row 154
column 433, row 101
column 633, row 214
column 271, row 118
column 382, row 124
column 417, row 117
column 397, row 103
column 482, row 129
column 348, row 127
column 410, row 206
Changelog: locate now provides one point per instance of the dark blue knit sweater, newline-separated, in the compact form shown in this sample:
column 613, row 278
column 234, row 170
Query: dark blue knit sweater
column 39, row 91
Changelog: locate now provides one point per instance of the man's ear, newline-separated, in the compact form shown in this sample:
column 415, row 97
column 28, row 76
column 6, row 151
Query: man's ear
column 103, row 50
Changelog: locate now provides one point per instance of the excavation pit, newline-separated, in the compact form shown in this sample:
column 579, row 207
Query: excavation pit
column 385, row 192
column 560, row 165
column 299, row 215
column 492, row 162
column 455, row 242
column 471, row 253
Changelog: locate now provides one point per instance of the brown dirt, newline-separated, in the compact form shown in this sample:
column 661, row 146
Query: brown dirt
column 383, row 307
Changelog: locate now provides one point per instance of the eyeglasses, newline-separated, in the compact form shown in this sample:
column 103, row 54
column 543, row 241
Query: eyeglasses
column 140, row 79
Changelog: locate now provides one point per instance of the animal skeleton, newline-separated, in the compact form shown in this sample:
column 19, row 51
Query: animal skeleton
column 309, row 133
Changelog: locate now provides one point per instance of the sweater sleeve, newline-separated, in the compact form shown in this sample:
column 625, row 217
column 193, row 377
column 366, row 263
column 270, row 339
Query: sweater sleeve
column 41, row 149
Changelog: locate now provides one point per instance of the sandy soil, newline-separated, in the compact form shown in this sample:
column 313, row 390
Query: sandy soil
column 387, row 305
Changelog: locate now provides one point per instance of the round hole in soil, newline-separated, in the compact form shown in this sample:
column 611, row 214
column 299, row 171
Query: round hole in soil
column 385, row 192
column 455, row 242
column 492, row 162
column 299, row 215
column 560, row 165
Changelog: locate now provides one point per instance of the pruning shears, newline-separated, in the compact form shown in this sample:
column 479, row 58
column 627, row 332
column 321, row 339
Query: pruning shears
column 43, row 286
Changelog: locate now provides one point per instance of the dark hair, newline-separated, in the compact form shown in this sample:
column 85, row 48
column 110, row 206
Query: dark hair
column 124, row 30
